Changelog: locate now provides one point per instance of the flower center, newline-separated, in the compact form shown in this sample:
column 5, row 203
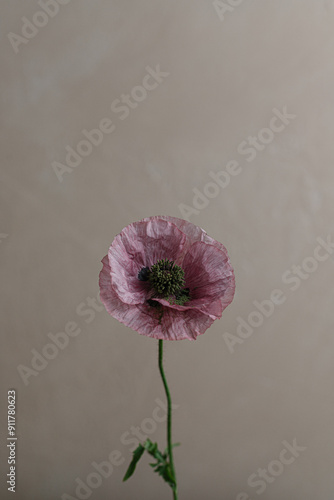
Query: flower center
column 166, row 278
column 167, row 281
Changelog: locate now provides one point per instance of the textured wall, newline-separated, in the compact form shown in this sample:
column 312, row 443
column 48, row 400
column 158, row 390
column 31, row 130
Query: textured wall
column 233, row 131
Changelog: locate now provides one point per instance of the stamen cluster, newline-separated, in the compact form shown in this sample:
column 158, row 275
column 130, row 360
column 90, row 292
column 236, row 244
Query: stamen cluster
column 166, row 278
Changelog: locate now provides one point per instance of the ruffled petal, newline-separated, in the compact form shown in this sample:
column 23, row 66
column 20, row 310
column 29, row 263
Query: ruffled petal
column 181, row 325
column 131, row 315
column 209, row 276
column 194, row 233
column 213, row 309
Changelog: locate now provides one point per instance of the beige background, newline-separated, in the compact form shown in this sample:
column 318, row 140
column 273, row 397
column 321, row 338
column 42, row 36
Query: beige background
column 225, row 78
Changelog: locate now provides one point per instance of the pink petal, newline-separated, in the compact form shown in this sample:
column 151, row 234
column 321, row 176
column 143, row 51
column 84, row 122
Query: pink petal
column 209, row 275
column 213, row 309
column 194, row 233
column 180, row 325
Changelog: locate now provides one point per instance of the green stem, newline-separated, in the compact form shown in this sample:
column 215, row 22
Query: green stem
column 169, row 418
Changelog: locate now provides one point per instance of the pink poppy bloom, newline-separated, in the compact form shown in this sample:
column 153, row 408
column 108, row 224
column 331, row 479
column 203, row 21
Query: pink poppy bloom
column 166, row 278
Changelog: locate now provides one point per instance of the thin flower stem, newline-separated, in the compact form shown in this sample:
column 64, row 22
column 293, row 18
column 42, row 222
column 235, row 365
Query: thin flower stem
column 169, row 418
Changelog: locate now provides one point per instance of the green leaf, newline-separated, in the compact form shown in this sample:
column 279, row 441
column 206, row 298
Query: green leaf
column 152, row 449
column 136, row 457
column 164, row 471
column 162, row 467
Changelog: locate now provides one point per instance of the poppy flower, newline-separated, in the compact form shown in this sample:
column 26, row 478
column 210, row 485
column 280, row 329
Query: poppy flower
column 166, row 278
